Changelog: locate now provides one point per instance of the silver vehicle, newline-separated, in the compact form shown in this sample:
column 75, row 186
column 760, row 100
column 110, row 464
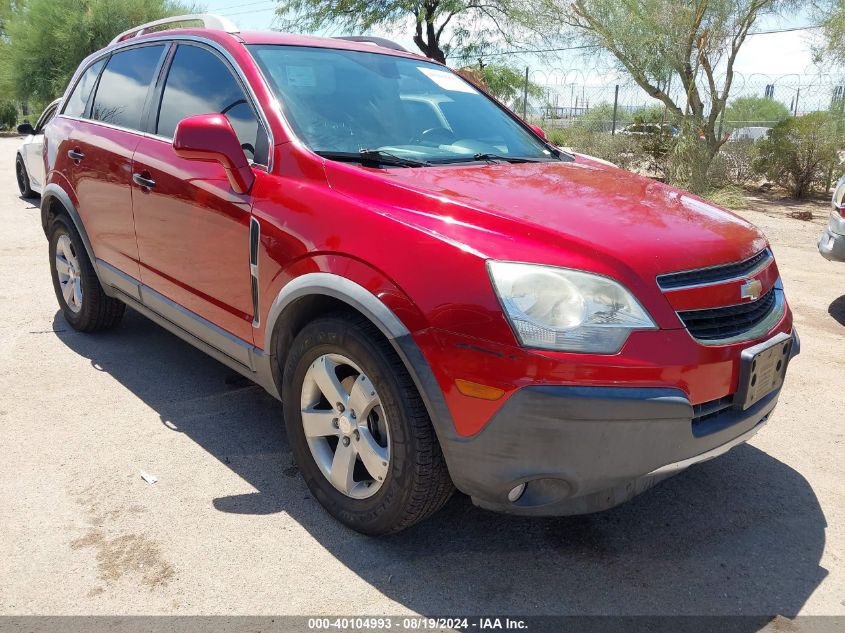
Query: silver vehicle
column 832, row 241
column 29, row 163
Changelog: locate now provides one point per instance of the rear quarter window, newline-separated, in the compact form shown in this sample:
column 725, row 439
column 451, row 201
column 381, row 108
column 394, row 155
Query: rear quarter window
column 78, row 99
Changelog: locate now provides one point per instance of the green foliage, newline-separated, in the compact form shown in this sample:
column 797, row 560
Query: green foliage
column 754, row 111
column 691, row 45
column 47, row 39
column 599, row 118
column 621, row 150
column 650, row 114
column 831, row 14
column 800, row 152
column 470, row 24
column 507, row 84
column 734, row 164
column 8, row 114
column 728, row 196
column 5, row 14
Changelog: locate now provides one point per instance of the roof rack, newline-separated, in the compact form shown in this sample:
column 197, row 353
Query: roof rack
column 208, row 20
column 378, row 41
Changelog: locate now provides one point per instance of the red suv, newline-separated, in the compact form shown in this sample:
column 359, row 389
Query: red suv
column 440, row 298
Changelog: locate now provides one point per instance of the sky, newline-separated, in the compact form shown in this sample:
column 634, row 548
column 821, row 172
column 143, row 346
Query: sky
column 772, row 55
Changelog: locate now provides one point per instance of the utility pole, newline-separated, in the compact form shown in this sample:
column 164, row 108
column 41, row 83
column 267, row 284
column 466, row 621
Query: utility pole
column 615, row 106
column 525, row 97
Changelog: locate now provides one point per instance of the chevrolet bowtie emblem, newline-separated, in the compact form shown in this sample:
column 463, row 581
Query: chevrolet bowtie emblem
column 751, row 289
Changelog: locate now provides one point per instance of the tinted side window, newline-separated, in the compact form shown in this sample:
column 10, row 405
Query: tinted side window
column 198, row 82
column 79, row 97
column 123, row 87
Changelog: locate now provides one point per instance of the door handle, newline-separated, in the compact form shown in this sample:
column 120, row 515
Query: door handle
column 141, row 181
column 75, row 155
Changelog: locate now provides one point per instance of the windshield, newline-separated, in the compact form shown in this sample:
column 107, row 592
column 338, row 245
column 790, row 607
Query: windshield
column 343, row 102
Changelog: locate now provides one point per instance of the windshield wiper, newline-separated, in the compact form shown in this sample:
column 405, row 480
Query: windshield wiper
column 507, row 159
column 374, row 156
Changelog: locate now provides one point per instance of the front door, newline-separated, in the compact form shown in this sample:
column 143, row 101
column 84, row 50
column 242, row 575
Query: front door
column 192, row 229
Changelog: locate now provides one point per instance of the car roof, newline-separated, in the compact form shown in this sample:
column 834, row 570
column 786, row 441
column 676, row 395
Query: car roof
column 276, row 38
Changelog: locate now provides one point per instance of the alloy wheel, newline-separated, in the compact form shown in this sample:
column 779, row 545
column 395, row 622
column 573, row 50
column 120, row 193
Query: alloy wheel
column 67, row 267
column 345, row 426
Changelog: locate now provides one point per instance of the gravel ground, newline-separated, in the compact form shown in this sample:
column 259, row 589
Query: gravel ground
column 231, row 529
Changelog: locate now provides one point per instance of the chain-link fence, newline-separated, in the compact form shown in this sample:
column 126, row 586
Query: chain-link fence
column 560, row 99
column 614, row 119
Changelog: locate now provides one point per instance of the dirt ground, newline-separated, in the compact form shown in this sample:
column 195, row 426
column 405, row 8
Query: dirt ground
column 231, row 529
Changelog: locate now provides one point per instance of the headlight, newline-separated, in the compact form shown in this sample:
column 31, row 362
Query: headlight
column 839, row 196
column 567, row 310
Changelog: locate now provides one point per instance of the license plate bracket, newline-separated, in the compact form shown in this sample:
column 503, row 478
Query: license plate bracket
column 762, row 370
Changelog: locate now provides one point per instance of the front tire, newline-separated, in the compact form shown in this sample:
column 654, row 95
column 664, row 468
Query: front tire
column 358, row 429
column 81, row 298
column 23, row 178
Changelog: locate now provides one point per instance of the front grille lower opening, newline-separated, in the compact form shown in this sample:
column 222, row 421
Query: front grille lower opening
column 721, row 323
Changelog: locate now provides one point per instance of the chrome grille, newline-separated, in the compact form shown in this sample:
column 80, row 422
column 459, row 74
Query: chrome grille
column 715, row 274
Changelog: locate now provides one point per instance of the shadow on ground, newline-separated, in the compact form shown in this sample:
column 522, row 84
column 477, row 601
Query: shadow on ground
column 742, row 534
column 837, row 310
column 33, row 201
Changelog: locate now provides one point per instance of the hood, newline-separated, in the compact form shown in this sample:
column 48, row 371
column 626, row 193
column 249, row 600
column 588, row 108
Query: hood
column 648, row 225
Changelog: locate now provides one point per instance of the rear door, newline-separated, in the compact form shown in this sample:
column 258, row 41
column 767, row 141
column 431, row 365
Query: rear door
column 96, row 153
column 193, row 229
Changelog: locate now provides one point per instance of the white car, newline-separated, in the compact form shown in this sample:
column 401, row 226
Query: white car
column 29, row 163
column 754, row 133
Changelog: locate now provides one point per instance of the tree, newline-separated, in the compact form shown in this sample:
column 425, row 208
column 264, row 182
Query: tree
column 440, row 27
column 47, row 39
column 8, row 114
column 832, row 17
column 799, row 152
column 690, row 44
column 754, row 111
column 505, row 83
column 6, row 9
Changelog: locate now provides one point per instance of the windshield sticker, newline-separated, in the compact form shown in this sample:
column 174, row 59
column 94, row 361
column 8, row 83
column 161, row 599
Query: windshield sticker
column 447, row 80
column 301, row 76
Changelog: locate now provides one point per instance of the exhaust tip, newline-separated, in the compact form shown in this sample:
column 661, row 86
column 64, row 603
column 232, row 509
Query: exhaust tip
column 516, row 492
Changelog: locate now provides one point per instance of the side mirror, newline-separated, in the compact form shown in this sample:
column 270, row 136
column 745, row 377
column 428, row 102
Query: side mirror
column 210, row 138
column 539, row 132
column 26, row 128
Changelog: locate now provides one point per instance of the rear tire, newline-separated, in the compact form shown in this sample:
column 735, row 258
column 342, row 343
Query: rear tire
column 23, row 178
column 408, row 481
column 81, row 298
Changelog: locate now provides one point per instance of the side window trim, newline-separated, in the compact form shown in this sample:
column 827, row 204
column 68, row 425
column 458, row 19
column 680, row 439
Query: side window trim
column 86, row 113
column 46, row 117
column 150, row 89
column 155, row 109
column 150, row 118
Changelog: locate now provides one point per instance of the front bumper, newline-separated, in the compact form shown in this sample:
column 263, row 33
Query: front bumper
column 586, row 449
